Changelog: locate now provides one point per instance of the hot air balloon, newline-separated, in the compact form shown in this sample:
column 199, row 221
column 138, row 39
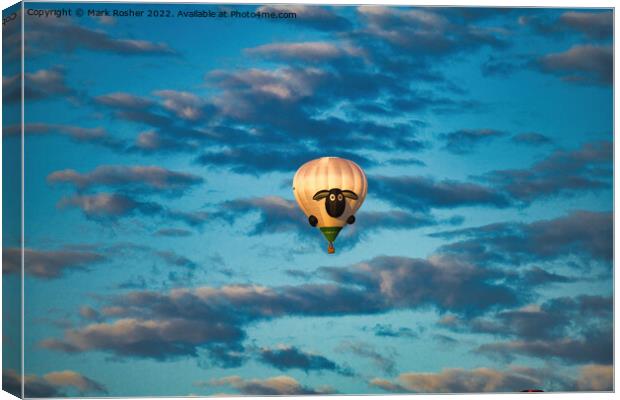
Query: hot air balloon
column 330, row 190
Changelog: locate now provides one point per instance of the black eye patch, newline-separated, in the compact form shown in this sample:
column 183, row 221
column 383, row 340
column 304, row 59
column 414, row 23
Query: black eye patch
column 349, row 194
column 321, row 194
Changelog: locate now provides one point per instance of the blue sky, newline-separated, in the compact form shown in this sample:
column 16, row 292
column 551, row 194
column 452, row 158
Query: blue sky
column 165, row 254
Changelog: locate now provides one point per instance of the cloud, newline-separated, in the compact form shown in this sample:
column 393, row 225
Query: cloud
column 52, row 384
column 243, row 130
column 502, row 66
column 96, row 136
column 419, row 101
column 122, row 100
column 89, row 313
column 177, row 121
column 104, row 205
column 56, row 34
column 462, row 288
column 184, row 105
column 316, row 17
column 383, row 361
column 145, row 338
column 279, row 87
column 253, row 98
column 445, row 340
column 173, row 232
column 537, row 276
column 383, row 330
column 404, row 162
column 164, row 326
column 244, row 122
column 469, row 14
column 587, row 64
column 290, row 357
column 423, row 193
column 175, row 259
column 136, row 178
column 588, row 168
column 459, row 380
column 111, row 206
column 387, row 385
column 138, row 282
column 311, row 52
column 596, row 346
column 572, row 329
column 47, row 264
column 464, row 141
column 140, row 109
column 284, row 88
column 370, row 223
column 531, row 139
column 257, row 160
column 596, row 378
column 278, row 215
column 275, row 386
column 191, row 218
column 585, row 234
column 557, row 318
column 298, row 273
column 73, row 379
column 41, row 84
column 594, row 25
column 152, row 141
column 425, row 32
column 105, row 19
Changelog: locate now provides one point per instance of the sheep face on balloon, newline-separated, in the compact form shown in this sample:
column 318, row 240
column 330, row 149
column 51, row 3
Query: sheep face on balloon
column 329, row 191
column 334, row 200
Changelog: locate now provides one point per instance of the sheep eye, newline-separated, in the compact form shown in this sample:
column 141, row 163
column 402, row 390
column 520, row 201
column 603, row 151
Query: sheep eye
column 332, row 197
column 340, row 197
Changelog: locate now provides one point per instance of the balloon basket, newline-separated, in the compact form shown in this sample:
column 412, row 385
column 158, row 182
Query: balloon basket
column 330, row 248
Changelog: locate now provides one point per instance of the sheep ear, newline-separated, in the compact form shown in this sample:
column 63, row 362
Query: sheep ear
column 321, row 194
column 349, row 194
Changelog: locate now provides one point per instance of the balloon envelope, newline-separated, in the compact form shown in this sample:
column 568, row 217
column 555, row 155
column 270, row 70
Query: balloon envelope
column 324, row 174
